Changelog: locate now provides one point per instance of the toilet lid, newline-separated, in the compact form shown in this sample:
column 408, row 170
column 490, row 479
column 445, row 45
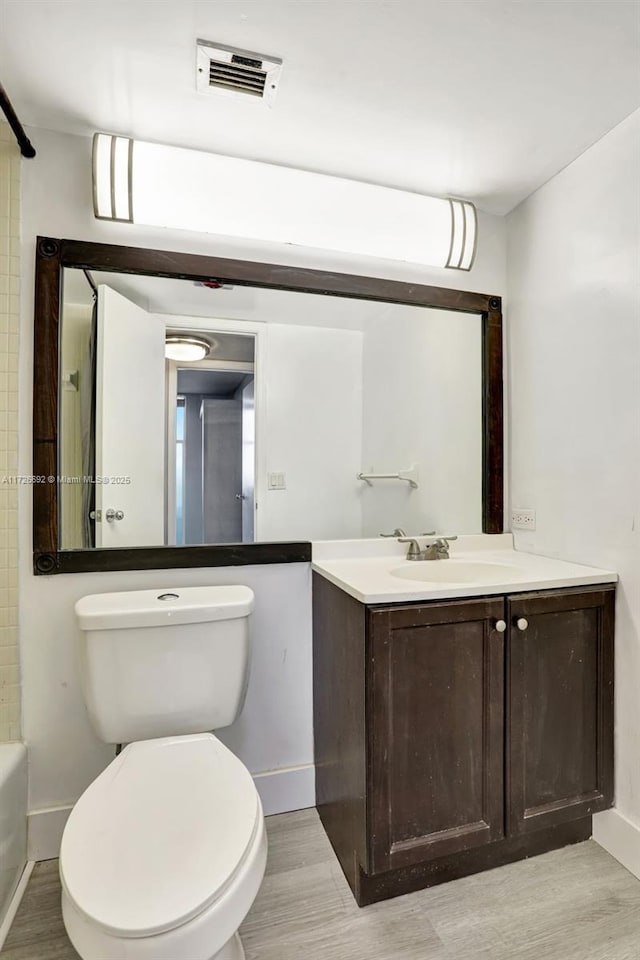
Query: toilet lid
column 159, row 834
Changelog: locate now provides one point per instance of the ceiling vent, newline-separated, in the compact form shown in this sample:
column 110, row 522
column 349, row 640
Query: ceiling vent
column 236, row 73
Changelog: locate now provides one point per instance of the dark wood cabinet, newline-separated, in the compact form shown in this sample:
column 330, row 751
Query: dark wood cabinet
column 559, row 707
column 454, row 736
column 436, row 688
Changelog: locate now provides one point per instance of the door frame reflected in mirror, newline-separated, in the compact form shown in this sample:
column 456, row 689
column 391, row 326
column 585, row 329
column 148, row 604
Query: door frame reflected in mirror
column 250, row 330
column 54, row 254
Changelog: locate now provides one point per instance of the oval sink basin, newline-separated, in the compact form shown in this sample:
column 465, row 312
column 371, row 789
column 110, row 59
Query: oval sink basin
column 454, row 571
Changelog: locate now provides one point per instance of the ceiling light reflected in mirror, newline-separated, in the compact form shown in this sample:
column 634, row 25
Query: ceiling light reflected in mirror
column 186, row 349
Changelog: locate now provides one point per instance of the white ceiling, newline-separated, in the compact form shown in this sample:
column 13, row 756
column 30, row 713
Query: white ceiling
column 484, row 99
column 183, row 298
column 256, row 304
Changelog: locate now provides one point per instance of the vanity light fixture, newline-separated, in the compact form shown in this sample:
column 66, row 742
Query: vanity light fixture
column 186, row 349
column 160, row 186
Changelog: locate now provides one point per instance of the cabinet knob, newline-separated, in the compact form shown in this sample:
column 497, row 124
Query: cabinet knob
column 522, row 624
column 501, row 626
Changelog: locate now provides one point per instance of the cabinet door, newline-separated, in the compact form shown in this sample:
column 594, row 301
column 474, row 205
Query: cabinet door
column 559, row 707
column 435, row 707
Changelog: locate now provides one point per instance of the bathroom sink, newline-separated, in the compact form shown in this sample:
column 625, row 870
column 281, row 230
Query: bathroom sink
column 454, row 571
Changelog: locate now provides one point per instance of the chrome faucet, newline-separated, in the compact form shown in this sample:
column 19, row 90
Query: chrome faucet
column 398, row 532
column 437, row 549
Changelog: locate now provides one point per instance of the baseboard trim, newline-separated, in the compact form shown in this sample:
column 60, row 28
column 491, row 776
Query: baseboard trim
column 15, row 901
column 619, row 837
column 44, row 831
column 291, row 788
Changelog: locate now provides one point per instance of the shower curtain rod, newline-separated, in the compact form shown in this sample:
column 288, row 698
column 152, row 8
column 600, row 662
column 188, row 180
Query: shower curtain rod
column 26, row 147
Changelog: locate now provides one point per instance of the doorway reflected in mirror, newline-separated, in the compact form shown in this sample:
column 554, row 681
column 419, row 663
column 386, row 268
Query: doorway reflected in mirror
column 213, row 454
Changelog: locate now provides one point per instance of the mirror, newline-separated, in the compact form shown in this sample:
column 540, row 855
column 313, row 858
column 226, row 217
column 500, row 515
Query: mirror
column 206, row 409
column 262, row 435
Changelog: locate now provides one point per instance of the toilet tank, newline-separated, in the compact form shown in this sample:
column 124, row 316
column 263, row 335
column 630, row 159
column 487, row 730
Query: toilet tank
column 159, row 663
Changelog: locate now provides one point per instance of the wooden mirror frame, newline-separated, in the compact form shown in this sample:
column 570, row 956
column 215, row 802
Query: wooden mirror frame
column 52, row 255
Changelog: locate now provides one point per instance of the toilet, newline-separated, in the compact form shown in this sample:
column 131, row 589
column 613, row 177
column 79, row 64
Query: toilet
column 164, row 853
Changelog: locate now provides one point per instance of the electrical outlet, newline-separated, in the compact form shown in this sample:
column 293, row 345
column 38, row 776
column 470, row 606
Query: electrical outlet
column 523, row 519
column 277, row 481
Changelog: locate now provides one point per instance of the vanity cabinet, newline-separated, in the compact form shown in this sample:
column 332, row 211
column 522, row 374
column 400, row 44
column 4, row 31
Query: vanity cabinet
column 559, row 707
column 453, row 736
column 436, row 730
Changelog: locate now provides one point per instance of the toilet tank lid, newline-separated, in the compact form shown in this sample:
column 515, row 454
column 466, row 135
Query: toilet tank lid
column 163, row 607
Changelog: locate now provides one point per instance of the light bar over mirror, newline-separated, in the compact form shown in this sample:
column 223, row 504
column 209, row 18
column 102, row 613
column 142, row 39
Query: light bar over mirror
column 161, row 186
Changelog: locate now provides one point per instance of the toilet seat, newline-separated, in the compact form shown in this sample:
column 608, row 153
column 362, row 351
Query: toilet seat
column 159, row 836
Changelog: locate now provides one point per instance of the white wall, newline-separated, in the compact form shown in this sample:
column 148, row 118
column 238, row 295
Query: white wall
column 422, row 403
column 574, row 348
column 276, row 728
column 312, row 433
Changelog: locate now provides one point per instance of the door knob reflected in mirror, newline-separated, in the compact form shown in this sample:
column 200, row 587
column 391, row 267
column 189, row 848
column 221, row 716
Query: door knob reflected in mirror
column 522, row 624
column 240, row 496
column 501, row 626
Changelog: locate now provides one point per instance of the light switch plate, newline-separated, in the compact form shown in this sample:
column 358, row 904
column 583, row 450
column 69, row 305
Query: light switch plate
column 277, row 481
column 522, row 519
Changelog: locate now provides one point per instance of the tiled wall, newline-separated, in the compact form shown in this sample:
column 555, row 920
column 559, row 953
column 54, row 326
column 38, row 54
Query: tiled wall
column 9, row 291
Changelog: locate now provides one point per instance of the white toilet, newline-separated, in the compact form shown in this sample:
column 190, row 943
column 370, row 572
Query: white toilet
column 164, row 853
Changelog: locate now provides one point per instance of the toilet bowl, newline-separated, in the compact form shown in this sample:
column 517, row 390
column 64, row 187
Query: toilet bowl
column 163, row 854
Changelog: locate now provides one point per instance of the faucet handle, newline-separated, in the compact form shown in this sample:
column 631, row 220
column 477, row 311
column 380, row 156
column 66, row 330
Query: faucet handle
column 398, row 532
column 414, row 552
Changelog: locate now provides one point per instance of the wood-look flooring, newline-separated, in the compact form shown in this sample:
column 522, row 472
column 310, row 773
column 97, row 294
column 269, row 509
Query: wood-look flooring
column 573, row 904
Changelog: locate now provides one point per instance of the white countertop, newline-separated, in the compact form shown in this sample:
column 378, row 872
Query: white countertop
column 363, row 569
